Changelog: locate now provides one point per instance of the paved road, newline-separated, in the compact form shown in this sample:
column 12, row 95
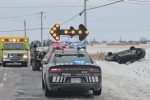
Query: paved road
column 21, row 83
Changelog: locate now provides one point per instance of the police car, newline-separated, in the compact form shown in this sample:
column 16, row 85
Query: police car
column 71, row 70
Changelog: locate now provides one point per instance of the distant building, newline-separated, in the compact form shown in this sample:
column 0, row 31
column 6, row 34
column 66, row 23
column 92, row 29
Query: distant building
column 94, row 42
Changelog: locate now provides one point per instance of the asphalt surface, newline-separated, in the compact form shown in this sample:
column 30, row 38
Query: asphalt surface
column 21, row 83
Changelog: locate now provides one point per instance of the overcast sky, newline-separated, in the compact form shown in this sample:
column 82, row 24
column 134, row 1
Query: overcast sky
column 129, row 20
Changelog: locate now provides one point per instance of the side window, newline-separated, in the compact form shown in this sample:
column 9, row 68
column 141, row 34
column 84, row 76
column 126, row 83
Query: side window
column 49, row 54
column 90, row 58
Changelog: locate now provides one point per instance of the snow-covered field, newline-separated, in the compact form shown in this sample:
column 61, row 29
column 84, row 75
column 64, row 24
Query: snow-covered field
column 125, row 81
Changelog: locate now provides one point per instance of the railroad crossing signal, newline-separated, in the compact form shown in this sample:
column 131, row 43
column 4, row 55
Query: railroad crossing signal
column 56, row 32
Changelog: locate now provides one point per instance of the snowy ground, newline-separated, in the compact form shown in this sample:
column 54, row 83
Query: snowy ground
column 130, row 82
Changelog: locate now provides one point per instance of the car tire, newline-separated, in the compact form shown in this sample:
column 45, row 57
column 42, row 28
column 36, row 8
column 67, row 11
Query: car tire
column 25, row 64
column 97, row 92
column 132, row 48
column 109, row 53
column 4, row 64
column 48, row 93
column 143, row 53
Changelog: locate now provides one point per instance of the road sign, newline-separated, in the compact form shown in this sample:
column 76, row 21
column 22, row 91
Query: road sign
column 56, row 32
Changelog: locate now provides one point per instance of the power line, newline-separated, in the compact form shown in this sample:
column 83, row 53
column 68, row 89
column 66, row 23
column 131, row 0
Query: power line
column 21, row 30
column 137, row 3
column 105, row 5
column 2, row 18
column 70, row 19
column 79, row 14
column 28, row 7
column 142, row 1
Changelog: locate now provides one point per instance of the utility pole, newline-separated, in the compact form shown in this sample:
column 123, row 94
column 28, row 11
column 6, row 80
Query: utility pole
column 85, row 14
column 41, row 29
column 25, row 28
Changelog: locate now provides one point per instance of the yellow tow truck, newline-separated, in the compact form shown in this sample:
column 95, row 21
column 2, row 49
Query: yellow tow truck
column 14, row 51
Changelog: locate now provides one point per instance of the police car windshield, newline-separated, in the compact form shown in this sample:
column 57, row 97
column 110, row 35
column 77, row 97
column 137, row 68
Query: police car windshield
column 14, row 46
column 72, row 58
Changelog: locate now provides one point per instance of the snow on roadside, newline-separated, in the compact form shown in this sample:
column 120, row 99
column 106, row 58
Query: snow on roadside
column 132, row 80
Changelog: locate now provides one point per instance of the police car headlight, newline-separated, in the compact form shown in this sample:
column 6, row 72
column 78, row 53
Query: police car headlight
column 25, row 56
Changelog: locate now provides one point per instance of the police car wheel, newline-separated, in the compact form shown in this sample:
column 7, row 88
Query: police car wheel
column 43, row 84
column 48, row 93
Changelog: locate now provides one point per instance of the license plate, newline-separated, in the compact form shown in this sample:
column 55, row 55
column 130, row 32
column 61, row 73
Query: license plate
column 75, row 80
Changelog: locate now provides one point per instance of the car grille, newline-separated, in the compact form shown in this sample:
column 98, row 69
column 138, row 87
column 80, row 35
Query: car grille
column 15, row 55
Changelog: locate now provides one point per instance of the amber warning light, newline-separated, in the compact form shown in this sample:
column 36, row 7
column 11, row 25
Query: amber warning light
column 56, row 32
column 14, row 40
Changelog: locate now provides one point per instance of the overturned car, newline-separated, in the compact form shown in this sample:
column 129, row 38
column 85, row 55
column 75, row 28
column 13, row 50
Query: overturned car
column 131, row 55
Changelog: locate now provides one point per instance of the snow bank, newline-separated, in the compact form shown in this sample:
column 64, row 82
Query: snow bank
column 126, row 80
